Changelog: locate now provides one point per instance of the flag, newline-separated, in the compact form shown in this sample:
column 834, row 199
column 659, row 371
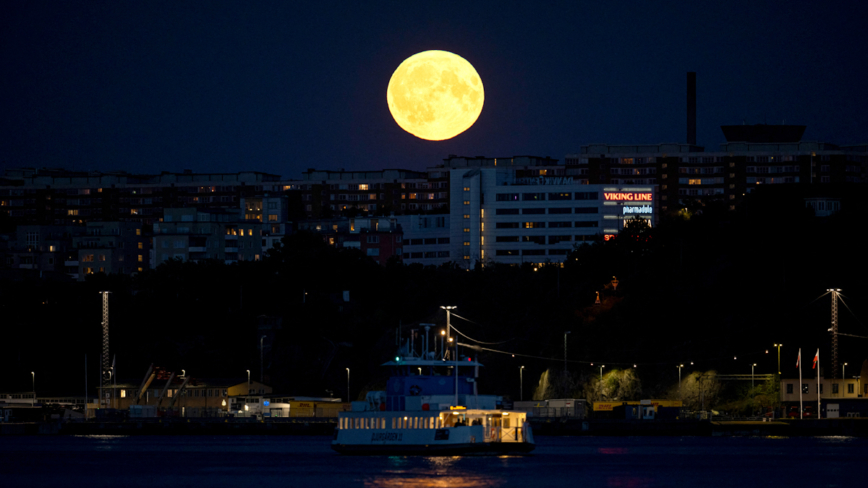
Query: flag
column 799, row 359
column 816, row 358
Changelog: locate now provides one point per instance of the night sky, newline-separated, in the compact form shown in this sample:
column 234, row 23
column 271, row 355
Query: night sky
column 150, row 86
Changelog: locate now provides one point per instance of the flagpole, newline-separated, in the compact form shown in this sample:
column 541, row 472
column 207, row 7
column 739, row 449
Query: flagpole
column 818, row 383
column 799, row 363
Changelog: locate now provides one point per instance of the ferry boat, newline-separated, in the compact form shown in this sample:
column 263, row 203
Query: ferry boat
column 431, row 406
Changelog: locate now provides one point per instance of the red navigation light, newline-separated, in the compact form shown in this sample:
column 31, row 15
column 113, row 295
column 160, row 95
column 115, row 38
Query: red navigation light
column 469, row 359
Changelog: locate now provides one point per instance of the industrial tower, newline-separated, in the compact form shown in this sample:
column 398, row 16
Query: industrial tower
column 834, row 329
column 106, row 368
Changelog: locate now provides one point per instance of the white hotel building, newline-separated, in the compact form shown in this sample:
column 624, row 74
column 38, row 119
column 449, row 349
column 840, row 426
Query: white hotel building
column 498, row 213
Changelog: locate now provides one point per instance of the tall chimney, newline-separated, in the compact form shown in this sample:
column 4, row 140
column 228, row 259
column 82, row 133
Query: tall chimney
column 691, row 107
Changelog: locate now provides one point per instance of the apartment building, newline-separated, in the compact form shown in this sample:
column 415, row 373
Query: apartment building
column 752, row 156
column 191, row 234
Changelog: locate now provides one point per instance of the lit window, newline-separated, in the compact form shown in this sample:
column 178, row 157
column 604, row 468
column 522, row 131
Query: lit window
column 140, row 245
column 466, row 188
column 138, row 232
column 466, row 216
column 140, row 258
column 72, row 212
column 466, row 202
column 466, row 229
column 363, row 187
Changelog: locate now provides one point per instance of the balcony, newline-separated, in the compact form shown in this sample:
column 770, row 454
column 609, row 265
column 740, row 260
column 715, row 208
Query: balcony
column 71, row 263
column 198, row 249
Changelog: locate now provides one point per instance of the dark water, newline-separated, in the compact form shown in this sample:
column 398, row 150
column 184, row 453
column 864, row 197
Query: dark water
column 189, row 461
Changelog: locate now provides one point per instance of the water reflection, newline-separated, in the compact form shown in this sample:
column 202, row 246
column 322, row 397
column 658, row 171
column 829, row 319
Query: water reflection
column 629, row 482
column 612, row 450
column 435, row 472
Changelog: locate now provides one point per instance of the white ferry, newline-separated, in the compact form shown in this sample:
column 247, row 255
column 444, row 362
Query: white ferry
column 431, row 406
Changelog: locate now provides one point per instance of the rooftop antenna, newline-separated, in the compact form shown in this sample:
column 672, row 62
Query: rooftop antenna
column 427, row 343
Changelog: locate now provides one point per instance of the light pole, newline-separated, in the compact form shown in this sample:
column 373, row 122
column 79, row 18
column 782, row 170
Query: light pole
column 779, row 357
column 248, row 383
column 449, row 309
column 565, row 350
column 601, row 374
column 679, row 380
column 33, row 400
column 442, row 349
column 261, row 362
column 843, row 377
column 752, row 366
column 521, row 382
column 348, row 384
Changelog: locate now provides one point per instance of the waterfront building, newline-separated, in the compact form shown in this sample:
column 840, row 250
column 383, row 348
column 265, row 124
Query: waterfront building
column 205, row 397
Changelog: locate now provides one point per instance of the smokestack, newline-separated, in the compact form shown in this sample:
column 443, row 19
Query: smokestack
column 691, row 107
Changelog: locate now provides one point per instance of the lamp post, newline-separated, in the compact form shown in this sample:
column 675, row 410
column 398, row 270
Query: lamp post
column 248, row 383
column 261, row 362
column 679, row 380
column 442, row 349
column 348, row 384
column 752, row 366
column 601, row 374
column 33, row 400
column 565, row 349
column 521, row 382
column 449, row 309
column 843, row 377
column 779, row 357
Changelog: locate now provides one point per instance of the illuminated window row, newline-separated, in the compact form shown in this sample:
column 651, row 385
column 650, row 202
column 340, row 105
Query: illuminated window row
column 393, row 423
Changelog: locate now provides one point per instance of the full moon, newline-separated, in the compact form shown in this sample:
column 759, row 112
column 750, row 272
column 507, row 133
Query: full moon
column 435, row 95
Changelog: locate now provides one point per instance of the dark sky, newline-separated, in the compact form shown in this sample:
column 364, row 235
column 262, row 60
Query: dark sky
column 148, row 86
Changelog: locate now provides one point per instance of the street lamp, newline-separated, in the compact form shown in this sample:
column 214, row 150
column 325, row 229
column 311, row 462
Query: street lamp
column 601, row 372
column 442, row 349
column 565, row 349
column 779, row 357
column 449, row 309
column 261, row 367
column 248, row 382
column 348, row 384
column 843, row 377
column 752, row 366
column 33, row 400
column 679, row 380
column 521, row 382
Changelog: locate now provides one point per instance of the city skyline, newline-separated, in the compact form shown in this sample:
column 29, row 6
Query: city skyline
column 279, row 88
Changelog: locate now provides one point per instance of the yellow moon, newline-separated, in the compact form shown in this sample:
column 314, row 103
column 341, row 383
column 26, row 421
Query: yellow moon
column 435, row 95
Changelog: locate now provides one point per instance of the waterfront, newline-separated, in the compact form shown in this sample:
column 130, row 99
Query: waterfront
column 264, row 461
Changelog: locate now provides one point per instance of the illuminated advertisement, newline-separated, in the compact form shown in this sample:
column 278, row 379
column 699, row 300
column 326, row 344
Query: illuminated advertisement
column 628, row 196
column 631, row 210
